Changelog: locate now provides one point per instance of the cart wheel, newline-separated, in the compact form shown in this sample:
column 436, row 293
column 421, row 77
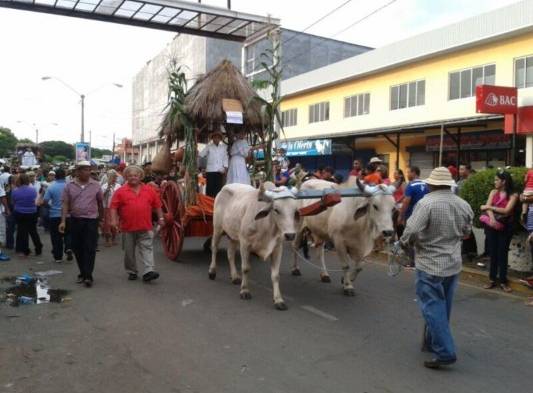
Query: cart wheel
column 172, row 233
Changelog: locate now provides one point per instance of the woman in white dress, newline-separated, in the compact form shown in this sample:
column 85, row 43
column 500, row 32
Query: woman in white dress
column 237, row 171
column 108, row 189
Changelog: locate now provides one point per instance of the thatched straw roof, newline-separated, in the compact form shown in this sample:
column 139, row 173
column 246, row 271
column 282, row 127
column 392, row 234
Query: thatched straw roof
column 204, row 102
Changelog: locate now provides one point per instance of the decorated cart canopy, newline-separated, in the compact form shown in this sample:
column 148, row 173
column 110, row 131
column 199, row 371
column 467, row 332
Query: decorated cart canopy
column 221, row 100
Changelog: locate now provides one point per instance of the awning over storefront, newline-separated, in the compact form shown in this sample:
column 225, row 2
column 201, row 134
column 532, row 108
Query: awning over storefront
column 170, row 15
column 410, row 128
column 484, row 140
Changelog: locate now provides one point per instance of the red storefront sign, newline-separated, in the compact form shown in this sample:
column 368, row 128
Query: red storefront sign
column 524, row 121
column 496, row 99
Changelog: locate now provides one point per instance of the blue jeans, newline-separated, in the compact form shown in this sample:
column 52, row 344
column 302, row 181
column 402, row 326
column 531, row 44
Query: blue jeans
column 10, row 231
column 435, row 296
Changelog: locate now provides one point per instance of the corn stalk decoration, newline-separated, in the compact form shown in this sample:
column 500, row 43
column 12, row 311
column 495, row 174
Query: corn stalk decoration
column 177, row 92
column 270, row 108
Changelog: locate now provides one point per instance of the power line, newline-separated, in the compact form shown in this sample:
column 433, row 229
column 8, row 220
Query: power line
column 319, row 20
column 343, row 30
column 365, row 17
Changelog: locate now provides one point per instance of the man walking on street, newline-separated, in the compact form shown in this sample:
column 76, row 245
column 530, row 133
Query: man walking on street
column 217, row 164
column 436, row 228
column 4, row 213
column 53, row 198
column 83, row 200
column 132, row 204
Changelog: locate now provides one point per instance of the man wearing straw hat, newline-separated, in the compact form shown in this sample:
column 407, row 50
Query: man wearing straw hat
column 217, row 163
column 435, row 229
column 83, row 201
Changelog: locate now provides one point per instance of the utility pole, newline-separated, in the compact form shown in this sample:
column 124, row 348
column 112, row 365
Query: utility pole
column 82, row 96
column 113, row 151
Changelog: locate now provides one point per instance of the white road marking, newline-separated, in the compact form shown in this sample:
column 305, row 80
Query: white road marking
column 320, row 313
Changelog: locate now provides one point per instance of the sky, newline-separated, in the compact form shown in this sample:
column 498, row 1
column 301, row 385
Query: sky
column 92, row 56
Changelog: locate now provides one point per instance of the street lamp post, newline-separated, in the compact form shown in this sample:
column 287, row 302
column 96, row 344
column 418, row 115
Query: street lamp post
column 82, row 96
column 36, row 129
column 82, row 99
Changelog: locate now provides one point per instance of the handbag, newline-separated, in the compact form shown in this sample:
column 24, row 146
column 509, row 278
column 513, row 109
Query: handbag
column 500, row 221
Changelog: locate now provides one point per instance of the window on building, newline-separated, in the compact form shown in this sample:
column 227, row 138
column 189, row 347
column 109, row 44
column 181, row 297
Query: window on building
column 319, row 112
column 408, row 95
column 289, row 118
column 357, row 105
column 462, row 84
column 523, row 71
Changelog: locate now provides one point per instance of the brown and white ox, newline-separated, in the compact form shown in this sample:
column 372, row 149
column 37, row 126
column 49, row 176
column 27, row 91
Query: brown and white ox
column 258, row 222
column 353, row 225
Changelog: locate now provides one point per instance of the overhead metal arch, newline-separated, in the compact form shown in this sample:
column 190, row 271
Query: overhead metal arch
column 169, row 15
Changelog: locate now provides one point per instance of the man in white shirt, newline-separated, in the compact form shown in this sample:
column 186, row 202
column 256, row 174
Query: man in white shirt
column 4, row 177
column 217, row 164
column 4, row 211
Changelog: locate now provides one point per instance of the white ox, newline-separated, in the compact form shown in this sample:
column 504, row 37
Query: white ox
column 352, row 226
column 257, row 221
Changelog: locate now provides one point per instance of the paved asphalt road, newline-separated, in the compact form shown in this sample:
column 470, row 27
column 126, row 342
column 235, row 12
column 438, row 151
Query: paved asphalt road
column 185, row 333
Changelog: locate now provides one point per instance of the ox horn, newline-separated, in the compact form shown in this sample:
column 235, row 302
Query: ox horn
column 360, row 185
column 262, row 196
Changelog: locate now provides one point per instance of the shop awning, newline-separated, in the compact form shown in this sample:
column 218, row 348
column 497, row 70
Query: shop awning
column 171, row 15
column 408, row 128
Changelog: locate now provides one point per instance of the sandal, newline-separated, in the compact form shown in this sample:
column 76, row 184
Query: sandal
column 506, row 288
column 490, row 285
column 528, row 282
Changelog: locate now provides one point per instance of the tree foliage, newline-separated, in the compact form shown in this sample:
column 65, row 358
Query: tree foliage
column 52, row 149
column 8, row 140
column 177, row 92
column 99, row 153
column 58, row 148
column 271, row 107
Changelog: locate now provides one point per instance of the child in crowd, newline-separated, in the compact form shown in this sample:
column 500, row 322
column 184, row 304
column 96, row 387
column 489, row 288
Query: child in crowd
column 527, row 208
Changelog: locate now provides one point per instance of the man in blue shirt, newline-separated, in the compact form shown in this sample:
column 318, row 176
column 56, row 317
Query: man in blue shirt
column 414, row 192
column 53, row 198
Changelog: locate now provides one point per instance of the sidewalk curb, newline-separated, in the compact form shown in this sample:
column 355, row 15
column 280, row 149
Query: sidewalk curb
column 474, row 277
column 470, row 275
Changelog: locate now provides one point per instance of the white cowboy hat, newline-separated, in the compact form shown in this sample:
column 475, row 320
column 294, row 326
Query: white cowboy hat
column 79, row 164
column 440, row 176
column 376, row 160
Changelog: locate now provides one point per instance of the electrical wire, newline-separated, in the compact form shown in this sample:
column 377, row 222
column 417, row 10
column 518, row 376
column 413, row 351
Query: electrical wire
column 318, row 20
column 286, row 61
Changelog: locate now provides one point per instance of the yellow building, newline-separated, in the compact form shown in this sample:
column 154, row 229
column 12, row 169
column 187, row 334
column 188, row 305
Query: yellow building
column 395, row 101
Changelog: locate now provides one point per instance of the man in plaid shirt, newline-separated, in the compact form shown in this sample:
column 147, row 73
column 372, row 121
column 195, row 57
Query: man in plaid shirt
column 436, row 228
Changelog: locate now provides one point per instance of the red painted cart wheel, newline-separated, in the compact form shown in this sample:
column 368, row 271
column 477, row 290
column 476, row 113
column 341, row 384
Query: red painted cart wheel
column 172, row 233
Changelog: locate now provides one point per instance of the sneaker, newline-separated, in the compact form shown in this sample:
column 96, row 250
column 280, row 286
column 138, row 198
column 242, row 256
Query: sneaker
column 481, row 264
column 436, row 363
column 88, row 282
column 150, row 276
column 79, row 280
column 58, row 260
column 4, row 257
column 69, row 255
column 132, row 276
column 38, row 251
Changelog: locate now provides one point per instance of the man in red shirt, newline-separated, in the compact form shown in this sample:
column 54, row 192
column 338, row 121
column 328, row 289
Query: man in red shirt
column 132, row 204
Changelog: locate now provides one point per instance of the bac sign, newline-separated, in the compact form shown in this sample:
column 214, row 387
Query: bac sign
column 496, row 99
